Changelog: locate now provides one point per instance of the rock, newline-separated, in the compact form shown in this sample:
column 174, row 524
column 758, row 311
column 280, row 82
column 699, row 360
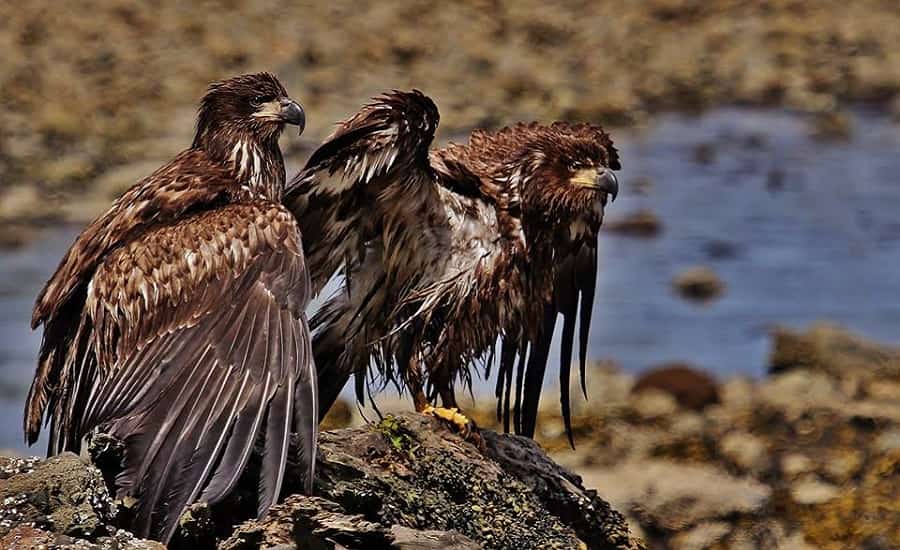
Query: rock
column 641, row 185
column 812, row 491
column 687, row 424
column 641, row 223
column 410, row 482
column 22, row 537
column 692, row 388
column 705, row 535
column 795, row 465
column 561, row 492
column 833, row 350
column 841, row 465
column 62, row 494
column 15, row 235
column 820, row 437
column 405, row 538
column 831, row 125
column 607, row 386
column 798, row 390
column 746, row 451
column 414, row 472
column 765, row 533
column 883, row 390
column 888, row 441
column 699, row 284
column 61, row 503
column 670, row 496
column 22, row 203
column 653, row 404
column 737, row 392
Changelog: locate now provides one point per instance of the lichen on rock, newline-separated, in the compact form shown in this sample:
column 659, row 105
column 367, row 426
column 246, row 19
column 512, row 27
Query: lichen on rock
column 405, row 482
column 410, row 474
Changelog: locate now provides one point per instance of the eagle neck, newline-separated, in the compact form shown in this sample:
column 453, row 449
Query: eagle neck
column 256, row 164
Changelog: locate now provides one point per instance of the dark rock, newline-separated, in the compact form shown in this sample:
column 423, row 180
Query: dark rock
column 560, row 491
column 692, row 388
column 407, row 482
column 699, row 284
column 641, row 223
column 412, row 473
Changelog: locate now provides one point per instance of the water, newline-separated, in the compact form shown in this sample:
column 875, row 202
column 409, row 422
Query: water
column 813, row 229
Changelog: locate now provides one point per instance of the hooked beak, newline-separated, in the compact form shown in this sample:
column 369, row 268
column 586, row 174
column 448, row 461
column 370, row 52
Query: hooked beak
column 608, row 183
column 292, row 113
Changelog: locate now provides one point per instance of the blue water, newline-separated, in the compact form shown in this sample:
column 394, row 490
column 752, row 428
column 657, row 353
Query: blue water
column 813, row 230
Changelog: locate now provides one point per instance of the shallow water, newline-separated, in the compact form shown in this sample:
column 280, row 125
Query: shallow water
column 811, row 230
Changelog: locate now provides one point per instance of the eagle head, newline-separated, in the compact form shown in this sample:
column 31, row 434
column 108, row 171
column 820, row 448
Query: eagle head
column 253, row 105
column 567, row 173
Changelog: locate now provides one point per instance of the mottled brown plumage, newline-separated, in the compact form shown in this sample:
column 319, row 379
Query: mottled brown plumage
column 176, row 321
column 444, row 252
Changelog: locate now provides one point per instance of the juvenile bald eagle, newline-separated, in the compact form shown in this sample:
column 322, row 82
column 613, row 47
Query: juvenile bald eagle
column 445, row 251
column 176, row 320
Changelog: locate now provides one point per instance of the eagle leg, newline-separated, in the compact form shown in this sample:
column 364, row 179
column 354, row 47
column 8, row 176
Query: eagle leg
column 453, row 417
column 458, row 422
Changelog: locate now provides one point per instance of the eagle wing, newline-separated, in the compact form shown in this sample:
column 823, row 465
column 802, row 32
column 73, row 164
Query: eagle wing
column 376, row 162
column 194, row 341
column 364, row 166
column 190, row 182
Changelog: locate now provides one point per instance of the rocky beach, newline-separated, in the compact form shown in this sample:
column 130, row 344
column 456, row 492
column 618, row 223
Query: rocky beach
column 745, row 385
column 94, row 97
column 807, row 457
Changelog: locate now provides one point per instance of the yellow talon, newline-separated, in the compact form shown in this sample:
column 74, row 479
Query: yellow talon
column 451, row 415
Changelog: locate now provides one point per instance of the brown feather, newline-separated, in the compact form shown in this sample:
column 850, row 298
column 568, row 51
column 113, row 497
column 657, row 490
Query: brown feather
column 178, row 316
column 449, row 249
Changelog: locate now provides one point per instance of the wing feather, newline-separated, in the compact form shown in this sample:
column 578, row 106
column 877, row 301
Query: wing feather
column 371, row 167
column 202, row 366
column 384, row 145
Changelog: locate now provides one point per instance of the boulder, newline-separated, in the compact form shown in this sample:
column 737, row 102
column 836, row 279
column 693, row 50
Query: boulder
column 700, row 284
column 411, row 482
column 408, row 482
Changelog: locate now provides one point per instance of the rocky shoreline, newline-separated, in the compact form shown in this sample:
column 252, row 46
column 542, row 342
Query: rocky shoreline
column 94, row 98
column 406, row 482
column 807, row 457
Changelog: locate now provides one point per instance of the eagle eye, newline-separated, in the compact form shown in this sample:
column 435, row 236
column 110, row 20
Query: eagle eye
column 260, row 99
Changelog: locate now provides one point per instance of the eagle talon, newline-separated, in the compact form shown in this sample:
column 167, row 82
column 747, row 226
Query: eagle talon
column 453, row 417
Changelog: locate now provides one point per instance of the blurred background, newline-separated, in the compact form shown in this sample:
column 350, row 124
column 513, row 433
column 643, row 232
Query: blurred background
column 745, row 391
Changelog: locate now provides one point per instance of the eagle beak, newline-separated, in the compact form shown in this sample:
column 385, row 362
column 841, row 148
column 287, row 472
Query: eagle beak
column 607, row 182
column 292, row 113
